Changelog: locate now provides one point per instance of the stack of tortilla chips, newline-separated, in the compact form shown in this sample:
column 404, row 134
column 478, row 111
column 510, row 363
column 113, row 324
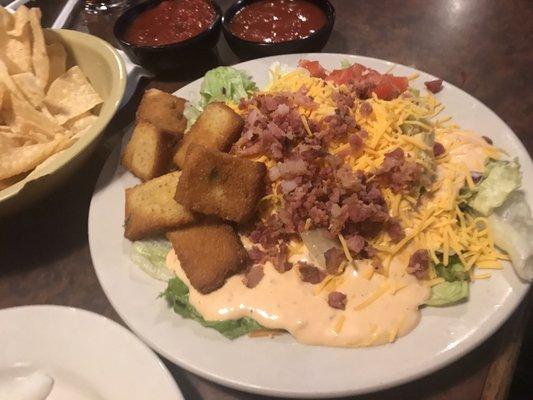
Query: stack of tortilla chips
column 43, row 105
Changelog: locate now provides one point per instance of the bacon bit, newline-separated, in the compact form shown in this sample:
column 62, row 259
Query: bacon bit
column 365, row 109
column 334, row 258
column 398, row 173
column 253, row 276
column 395, row 231
column 257, row 255
column 419, row 263
column 356, row 244
column 337, row 300
column 309, row 273
column 487, row 139
column 438, row 149
column 434, row 86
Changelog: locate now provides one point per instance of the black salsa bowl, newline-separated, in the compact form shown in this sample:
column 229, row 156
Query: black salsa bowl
column 246, row 49
column 168, row 57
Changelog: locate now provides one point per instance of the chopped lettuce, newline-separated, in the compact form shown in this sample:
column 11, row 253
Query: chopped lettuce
column 345, row 64
column 454, row 271
column 512, row 229
column 177, row 294
column 501, row 178
column 447, row 293
column 220, row 84
column 456, row 286
column 150, row 256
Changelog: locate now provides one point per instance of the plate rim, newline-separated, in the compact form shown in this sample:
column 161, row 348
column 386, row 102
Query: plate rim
column 451, row 356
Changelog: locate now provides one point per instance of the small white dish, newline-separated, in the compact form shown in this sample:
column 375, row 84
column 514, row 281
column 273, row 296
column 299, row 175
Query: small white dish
column 88, row 356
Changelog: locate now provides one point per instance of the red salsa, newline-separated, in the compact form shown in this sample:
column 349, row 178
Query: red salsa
column 273, row 21
column 169, row 22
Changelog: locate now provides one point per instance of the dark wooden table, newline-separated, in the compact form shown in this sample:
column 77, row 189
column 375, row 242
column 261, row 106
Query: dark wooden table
column 483, row 46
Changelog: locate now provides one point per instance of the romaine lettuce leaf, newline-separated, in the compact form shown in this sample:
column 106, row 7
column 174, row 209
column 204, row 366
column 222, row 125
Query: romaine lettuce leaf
column 447, row 293
column 501, row 179
column 454, row 271
column 220, row 84
column 150, row 256
column 512, row 230
column 225, row 83
column 177, row 294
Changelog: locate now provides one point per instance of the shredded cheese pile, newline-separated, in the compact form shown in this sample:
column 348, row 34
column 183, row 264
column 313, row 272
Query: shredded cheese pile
column 434, row 221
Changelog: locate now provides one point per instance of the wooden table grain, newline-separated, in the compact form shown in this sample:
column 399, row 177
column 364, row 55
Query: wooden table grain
column 482, row 46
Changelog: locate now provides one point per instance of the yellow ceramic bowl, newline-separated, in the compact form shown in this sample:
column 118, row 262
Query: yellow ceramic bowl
column 106, row 71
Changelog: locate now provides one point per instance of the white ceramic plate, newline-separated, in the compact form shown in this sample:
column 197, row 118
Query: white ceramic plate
column 89, row 356
column 281, row 366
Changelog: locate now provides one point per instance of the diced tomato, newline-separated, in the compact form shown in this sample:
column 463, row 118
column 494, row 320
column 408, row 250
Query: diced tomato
column 390, row 86
column 315, row 69
column 340, row 76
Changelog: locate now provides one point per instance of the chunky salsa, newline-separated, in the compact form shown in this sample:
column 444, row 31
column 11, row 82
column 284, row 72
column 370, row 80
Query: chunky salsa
column 171, row 21
column 277, row 21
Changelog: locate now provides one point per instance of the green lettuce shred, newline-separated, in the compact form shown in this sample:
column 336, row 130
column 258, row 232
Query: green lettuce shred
column 177, row 295
column 501, row 178
column 456, row 287
column 345, row 64
column 454, row 271
column 220, row 84
column 447, row 293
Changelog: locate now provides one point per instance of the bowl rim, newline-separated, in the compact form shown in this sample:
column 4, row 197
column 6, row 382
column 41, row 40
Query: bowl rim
column 67, row 155
column 325, row 5
column 123, row 20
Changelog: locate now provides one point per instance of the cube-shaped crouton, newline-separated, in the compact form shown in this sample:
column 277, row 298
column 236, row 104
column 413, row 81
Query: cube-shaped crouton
column 163, row 110
column 217, row 128
column 217, row 183
column 148, row 154
column 209, row 253
column 151, row 208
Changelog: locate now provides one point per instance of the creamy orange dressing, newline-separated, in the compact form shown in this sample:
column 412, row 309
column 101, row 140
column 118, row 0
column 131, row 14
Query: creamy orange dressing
column 378, row 309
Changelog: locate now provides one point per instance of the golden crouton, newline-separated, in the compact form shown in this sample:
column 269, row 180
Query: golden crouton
column 217, row 128
column 163, row 110
column 148, row 154
column 217, row 183
column 209, row 253
column 151, row 208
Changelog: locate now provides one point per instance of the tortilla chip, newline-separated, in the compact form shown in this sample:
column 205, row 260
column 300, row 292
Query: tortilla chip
column 2, row 95
column 15, row 52
column 23, row 113
column 31, row 87
column 21, row 18
column 71, row 95
column 81, row 123
column 25, row 158
column 41, row 64
column 6, row 19
column 5, row 183
column 58, row 61
column 9, row 83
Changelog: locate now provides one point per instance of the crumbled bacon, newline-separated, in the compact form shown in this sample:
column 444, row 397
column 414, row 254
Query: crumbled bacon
column 395, row 231
column 365, row 109
column 434, row 86
column 337, row 300
column 438, row 149
column 419, row 263
column 309, row 273
column 253, row 276
column 398, row 173
column 334, row 258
